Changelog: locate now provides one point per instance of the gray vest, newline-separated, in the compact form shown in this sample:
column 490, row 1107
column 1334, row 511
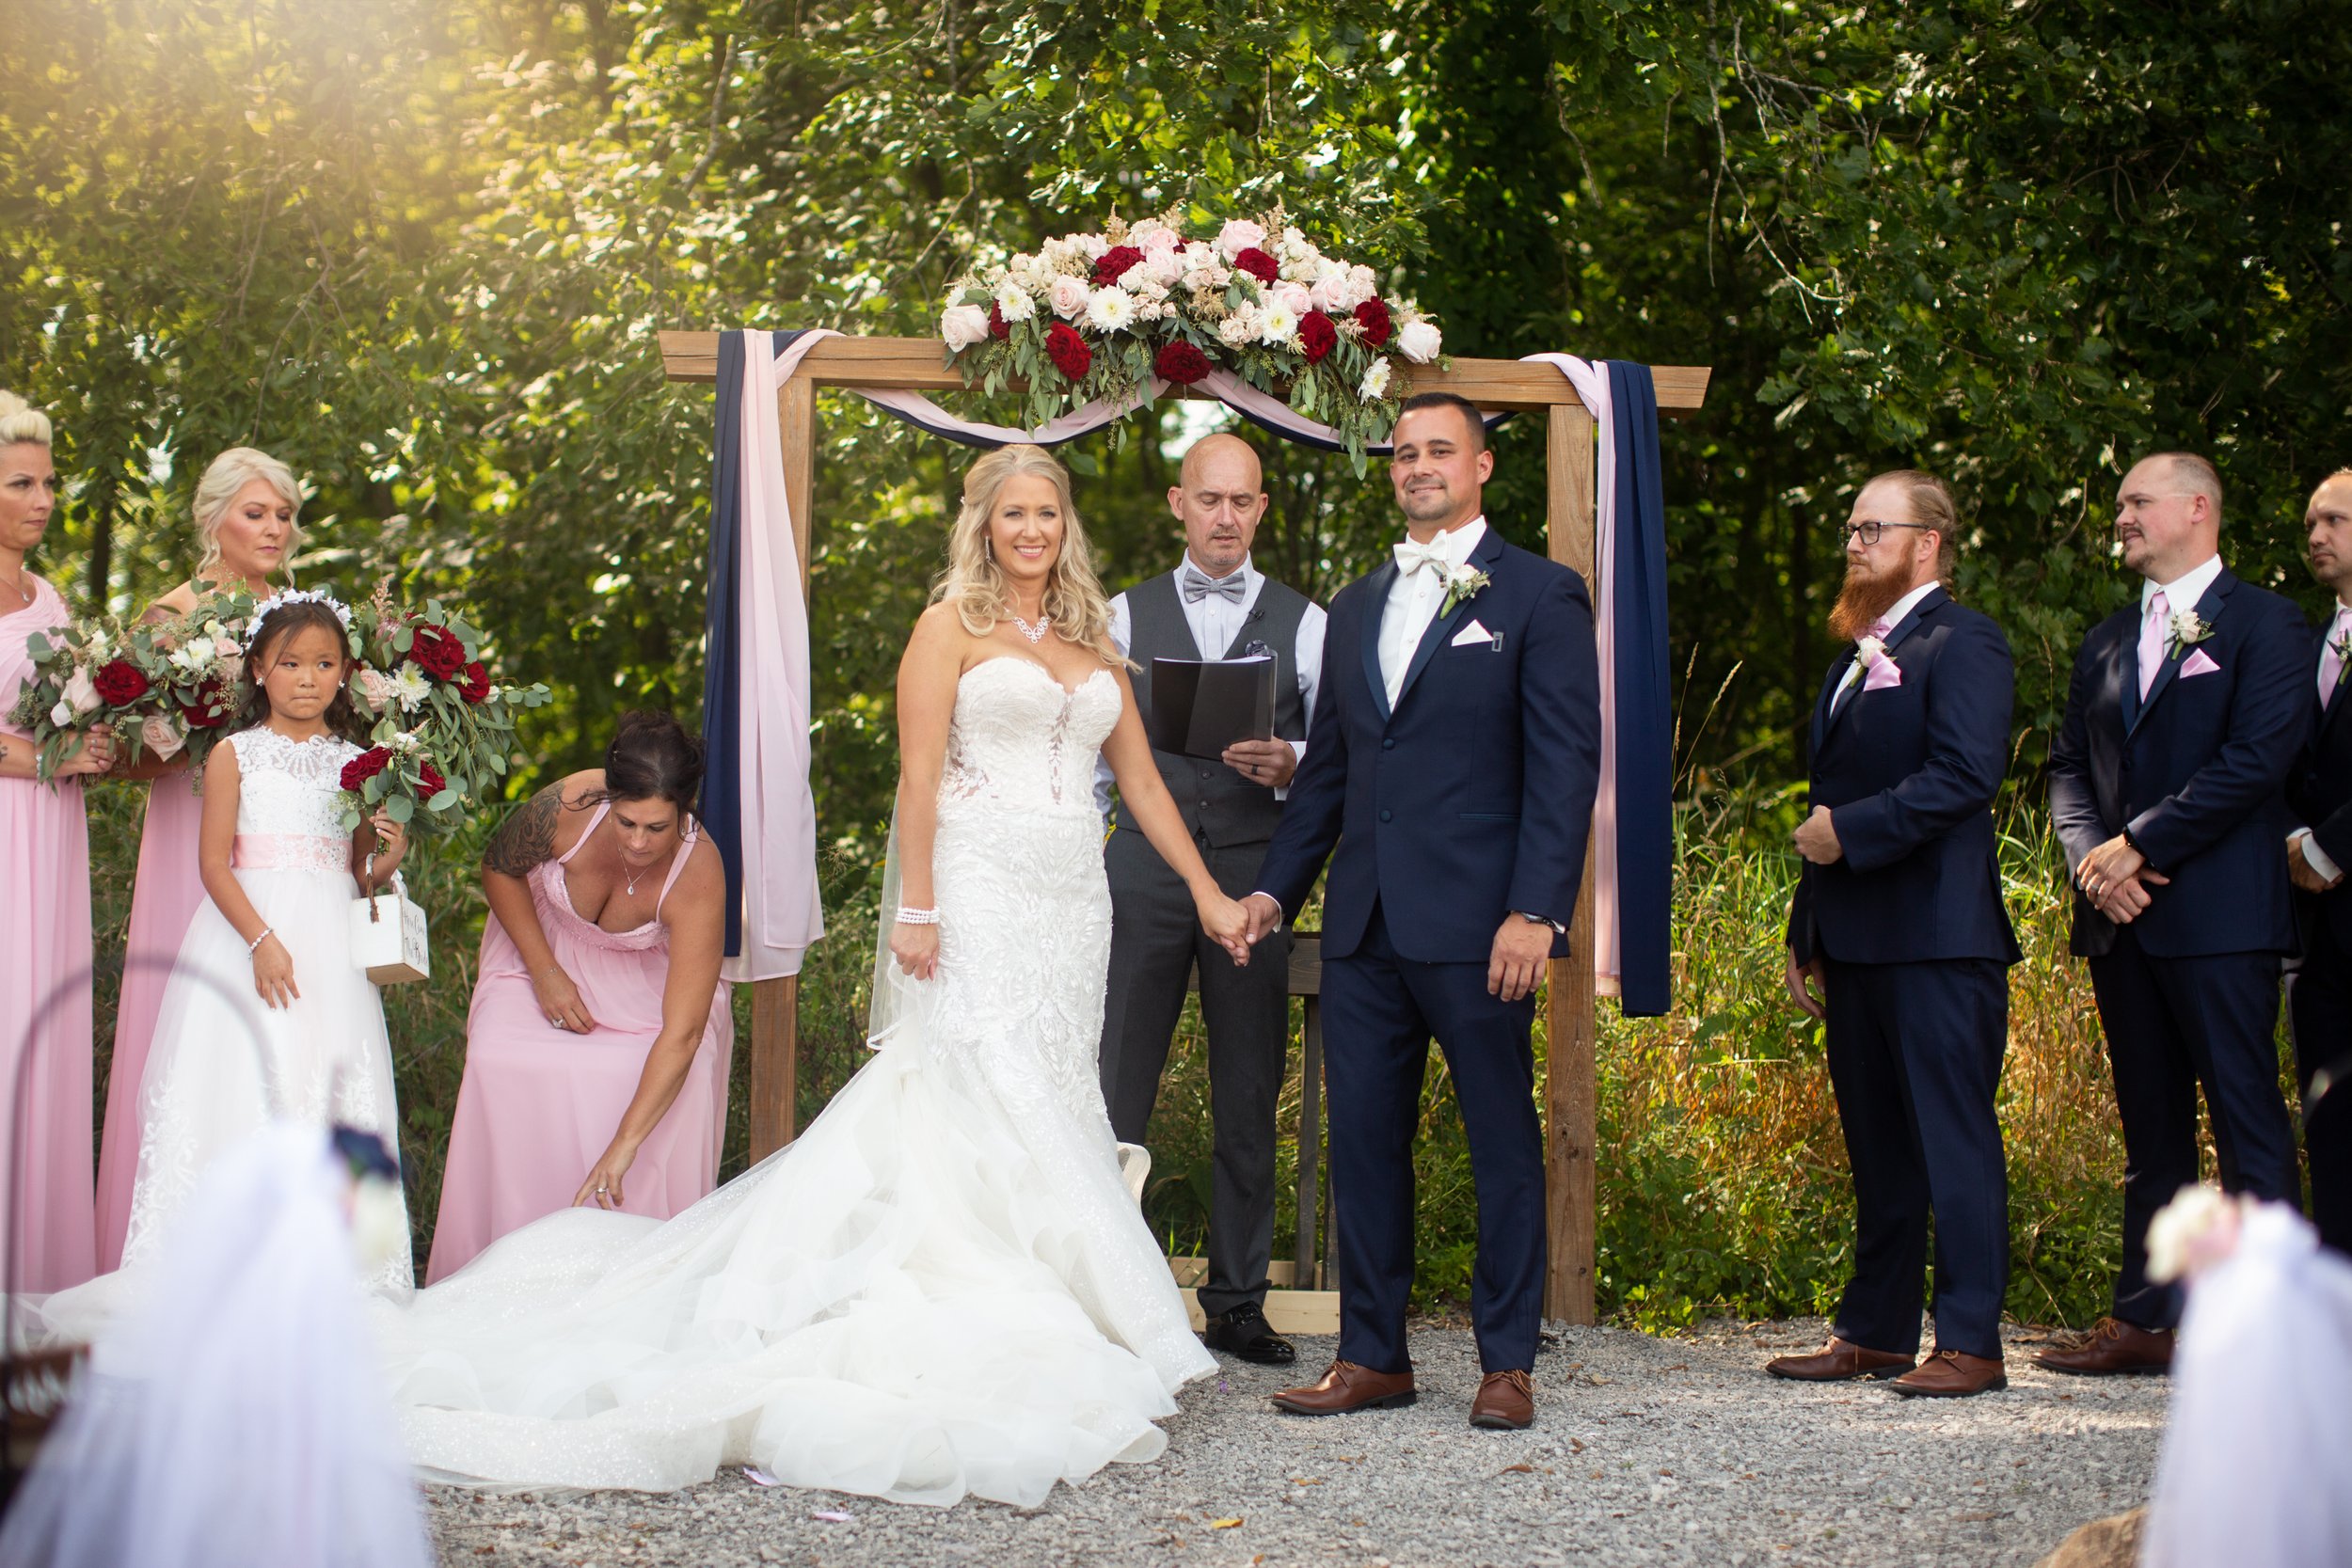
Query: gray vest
column 1219, row 804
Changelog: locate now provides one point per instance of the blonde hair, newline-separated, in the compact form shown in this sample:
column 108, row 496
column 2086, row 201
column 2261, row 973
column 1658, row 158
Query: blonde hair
column 21, row 422
column 224, row 479
column 976, row 586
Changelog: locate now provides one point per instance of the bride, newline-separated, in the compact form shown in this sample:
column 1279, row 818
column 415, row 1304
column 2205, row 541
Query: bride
column 944, row 1286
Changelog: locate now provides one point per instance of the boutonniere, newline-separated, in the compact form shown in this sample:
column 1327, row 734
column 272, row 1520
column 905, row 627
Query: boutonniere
column 1879, row 669
column 2342, row 646
column 1462, row 582
column 2188, row 629
column 1870, row 651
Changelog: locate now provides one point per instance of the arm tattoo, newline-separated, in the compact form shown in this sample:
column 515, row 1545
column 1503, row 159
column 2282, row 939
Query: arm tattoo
column 527, row 837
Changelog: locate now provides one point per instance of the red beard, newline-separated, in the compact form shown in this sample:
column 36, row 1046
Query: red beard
column 1866, row 596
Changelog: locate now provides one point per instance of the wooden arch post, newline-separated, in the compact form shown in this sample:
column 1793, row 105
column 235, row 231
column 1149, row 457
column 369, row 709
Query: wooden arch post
column 1571, row 1184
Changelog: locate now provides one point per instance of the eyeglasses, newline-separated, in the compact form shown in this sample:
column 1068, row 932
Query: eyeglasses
column 1872, row 530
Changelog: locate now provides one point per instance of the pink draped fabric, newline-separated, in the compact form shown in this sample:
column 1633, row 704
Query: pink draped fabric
column 164, row 899
column 538, row 1106
column 45, row 973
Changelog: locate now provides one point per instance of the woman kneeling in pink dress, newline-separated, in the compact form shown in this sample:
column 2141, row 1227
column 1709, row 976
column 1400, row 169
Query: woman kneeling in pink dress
column 596, row 1050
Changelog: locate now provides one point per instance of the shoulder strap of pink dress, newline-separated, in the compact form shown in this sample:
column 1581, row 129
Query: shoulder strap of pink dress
column 586, row 834
column 677, row 863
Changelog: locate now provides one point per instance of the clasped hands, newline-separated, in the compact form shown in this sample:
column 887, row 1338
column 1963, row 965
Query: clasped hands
column 1514, row 964
column 2115, row 878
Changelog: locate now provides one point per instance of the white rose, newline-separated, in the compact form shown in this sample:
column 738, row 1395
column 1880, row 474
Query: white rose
column 1239, row 234
column 80, row 693
column 1419, row 341
column 1207, row 280
column 162, row 736
column 1091, row 247
column 1295, row 297
column 1154, row 238
column 228, row 647
column 1329, row 292
column 1237, row 328
column 377, row 687
column 61, row 717
column 1164, row 267
column 1375, row 383
column 1014, row 302
column 1149, row 290
column 1277, row 325
column 1111, row 310
column 2189, row 1235
column 1199, row 256
column 963, row 325
column 1068, row 297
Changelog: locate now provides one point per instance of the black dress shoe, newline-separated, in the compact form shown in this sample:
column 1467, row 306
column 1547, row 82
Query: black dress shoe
column 1244, row 1332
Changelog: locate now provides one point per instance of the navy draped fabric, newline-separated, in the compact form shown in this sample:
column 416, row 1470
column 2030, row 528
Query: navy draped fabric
column 1645, row 759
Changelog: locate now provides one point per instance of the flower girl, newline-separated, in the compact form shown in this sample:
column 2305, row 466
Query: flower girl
column 280, row 871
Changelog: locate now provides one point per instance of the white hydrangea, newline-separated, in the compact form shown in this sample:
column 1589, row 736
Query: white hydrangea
column 1111, row 310
column 1375, row 383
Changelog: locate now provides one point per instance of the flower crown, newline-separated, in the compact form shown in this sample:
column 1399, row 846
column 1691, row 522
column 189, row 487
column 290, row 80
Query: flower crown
column 291, row 596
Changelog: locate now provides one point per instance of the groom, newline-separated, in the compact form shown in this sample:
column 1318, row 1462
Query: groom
column 1453, row 760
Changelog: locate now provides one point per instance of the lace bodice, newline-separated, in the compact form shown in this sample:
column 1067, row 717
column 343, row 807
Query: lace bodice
column 289, row 788
column 1020, row 740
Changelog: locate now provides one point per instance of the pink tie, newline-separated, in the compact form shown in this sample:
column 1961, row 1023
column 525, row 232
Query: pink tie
column 2151, row 641
column 2331, row 658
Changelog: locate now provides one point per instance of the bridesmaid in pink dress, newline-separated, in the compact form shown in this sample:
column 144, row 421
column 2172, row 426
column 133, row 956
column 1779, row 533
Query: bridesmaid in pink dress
column 44, row 908
column 248, row 507
column 597, row 1047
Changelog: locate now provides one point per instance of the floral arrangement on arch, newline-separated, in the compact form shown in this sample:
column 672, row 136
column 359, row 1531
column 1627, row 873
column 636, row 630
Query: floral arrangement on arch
column 1097, row 315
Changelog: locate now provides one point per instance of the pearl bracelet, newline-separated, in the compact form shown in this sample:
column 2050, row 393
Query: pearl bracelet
column 255, row 946
column 917, row 917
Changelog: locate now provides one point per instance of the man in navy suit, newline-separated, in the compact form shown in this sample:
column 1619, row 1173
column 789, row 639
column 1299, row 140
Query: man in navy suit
column 2184, row 715
column 2319, row 993
column 1898, row 918
column 1453, row 760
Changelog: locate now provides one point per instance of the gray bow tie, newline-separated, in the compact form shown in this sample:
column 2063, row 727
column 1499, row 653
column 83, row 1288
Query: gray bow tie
column 1197, row 585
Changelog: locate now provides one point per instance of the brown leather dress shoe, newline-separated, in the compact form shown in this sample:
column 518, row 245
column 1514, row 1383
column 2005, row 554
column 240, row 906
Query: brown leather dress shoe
column 1951, row 1374
column 1505, row 1402
column 1348, row 1386
column 2112, row 1346
column 1837, row 1361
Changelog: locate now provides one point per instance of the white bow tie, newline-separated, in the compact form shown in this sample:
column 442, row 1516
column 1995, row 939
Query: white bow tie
column 1411, row 558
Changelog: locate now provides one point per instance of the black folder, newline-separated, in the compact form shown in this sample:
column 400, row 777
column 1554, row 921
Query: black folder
column 1201, row 706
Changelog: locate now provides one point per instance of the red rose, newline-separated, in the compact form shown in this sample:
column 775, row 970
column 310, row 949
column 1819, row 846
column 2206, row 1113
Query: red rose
column 473, row 684
column 1113, row 265
column 429, row 780
column 998, row 327
column 1372, row 316
column 366, row 766
column 1067, row 351
column 208, row 710
column 1181, row 363
column 1257, row 264
column 436, row 651
column 120, row 683
column 1317, row 337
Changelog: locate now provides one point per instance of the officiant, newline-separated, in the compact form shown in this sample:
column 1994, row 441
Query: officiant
column 1213, row 604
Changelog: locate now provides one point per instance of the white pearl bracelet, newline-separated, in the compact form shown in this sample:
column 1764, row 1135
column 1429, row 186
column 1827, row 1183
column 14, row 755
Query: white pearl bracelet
column 917, row 917
column 255, row 946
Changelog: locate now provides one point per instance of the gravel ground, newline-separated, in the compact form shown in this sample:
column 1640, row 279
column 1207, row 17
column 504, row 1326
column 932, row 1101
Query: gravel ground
column 1645, row 1451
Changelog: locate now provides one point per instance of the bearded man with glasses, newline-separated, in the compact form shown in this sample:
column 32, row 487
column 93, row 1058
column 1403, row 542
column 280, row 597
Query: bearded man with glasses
column 1897, row 919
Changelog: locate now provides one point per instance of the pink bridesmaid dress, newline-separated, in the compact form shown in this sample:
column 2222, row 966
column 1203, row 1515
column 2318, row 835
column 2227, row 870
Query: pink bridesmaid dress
column 45, row 962
column 538, row 1106
column 163, row 900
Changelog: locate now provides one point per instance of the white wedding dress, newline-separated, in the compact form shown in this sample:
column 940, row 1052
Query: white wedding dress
column 943, row 1287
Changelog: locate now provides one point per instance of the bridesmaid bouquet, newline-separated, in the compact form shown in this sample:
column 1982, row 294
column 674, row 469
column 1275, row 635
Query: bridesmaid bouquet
column 88, row 676
column 195, row 664
column 440, row 726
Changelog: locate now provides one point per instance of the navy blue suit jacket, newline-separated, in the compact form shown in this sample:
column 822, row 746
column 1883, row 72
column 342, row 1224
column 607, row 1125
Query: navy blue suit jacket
column 1909, row 773
column 2319, row 795
column 2195, row 774
column 1474, row 797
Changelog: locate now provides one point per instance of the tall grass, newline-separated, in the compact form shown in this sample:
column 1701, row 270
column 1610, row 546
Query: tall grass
column 1722, row 1172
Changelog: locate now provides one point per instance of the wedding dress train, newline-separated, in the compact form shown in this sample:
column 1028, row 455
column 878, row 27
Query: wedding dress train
column 942, row 1287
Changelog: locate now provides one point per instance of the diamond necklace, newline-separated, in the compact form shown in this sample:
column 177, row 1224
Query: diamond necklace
column 1034, row 633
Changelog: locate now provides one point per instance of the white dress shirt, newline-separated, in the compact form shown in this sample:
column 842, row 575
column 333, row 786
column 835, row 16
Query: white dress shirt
column 2314, row 856
column 2182, row 592
column 1894, row 617
column 1216, row 621
column 1413, row 601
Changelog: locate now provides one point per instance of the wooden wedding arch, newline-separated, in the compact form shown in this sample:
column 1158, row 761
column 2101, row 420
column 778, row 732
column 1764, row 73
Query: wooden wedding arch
column 917, row 364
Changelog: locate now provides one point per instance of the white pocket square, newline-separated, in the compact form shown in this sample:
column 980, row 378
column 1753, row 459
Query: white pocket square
column 1471, row 633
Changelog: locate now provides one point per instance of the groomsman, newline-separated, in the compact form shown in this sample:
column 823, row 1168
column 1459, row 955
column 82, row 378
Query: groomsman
column 2184, row 715
column 1456, row 754
column 2319, row 994
column 1898, row 919
column 1214, row 604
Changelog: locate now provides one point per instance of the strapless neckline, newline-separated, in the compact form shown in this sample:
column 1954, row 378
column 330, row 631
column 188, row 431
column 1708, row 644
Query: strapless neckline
column 1040, row 668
